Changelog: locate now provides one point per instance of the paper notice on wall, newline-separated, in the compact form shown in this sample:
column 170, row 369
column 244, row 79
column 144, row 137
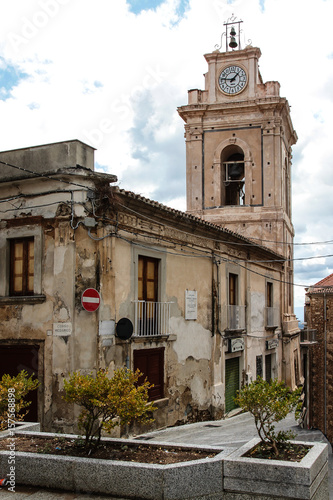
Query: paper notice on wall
column 191, row 304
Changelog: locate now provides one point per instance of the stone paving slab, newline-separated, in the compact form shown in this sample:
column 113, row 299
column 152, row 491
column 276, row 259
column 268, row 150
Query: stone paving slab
column 31, row 493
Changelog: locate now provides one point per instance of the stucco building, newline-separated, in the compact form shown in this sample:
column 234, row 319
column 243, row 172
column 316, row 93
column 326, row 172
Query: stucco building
column 200, row 302
column 319, row 319
column 203, row 300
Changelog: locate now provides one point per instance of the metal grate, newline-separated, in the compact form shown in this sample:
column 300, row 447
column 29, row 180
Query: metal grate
column 152, row 318
column 272, row 317
column 236, row 318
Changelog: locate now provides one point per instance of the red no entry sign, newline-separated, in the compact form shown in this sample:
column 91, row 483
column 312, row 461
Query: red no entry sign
column 90, row 299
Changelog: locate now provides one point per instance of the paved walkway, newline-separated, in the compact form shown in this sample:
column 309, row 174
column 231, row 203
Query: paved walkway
column 232, row 432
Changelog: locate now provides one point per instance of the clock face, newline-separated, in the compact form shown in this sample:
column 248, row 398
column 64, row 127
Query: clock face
column 232, row 80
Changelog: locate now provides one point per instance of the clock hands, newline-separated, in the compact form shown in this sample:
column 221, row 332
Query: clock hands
column 230, row 79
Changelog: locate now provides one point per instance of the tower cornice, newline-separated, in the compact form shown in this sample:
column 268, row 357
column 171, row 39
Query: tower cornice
column 248, row 52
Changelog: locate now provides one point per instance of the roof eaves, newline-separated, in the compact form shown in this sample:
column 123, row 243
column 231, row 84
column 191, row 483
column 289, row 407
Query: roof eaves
column 196, row 219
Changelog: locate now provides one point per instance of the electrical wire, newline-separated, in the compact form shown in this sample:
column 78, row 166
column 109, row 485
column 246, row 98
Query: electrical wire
column 259, row 240
column 34, row 195
column 228, row 232
column 249, row 261
column 40, row 174
column 224, row 259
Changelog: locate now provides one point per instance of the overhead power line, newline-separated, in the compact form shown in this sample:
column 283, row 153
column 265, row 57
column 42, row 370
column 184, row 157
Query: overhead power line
column 259, row 240
column 40, row 174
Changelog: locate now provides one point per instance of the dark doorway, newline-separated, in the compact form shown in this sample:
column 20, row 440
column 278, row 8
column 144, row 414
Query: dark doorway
column 268, row 367
column 16, row 358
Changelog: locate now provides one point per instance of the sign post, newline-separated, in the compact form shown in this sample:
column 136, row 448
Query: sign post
column 90, row 300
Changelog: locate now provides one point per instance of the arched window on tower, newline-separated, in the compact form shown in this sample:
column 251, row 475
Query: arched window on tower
column 233, row 176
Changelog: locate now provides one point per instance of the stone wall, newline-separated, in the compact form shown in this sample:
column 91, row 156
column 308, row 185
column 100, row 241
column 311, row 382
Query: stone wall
column 321, row 363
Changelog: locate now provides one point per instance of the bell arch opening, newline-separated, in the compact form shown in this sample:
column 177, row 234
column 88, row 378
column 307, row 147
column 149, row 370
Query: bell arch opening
column 233, row 176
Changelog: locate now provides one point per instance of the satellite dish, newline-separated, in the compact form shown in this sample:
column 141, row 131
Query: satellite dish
column 124, row 329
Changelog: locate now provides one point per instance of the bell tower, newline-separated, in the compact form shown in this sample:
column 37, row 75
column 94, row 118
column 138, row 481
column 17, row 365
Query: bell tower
column 239, row 135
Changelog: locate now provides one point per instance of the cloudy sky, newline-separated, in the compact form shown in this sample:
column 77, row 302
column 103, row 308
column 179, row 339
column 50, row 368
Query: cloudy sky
column 112, row 73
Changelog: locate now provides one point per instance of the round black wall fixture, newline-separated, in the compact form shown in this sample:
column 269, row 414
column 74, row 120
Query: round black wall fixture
column 124, row 329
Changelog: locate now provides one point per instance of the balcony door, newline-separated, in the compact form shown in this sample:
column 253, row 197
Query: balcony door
column 148, row 294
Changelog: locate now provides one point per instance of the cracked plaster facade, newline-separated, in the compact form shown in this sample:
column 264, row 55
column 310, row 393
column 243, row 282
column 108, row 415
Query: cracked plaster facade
column 88, row 234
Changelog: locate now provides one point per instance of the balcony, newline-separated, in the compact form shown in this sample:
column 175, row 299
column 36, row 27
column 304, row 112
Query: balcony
column 151, row 318
column 236, row 318
column 272, row 317
column 308, row 336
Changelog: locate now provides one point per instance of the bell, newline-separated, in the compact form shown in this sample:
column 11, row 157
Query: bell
column 232, row 31
column 233, row 44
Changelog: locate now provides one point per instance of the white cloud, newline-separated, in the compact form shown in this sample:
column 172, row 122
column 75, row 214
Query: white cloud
column 95, row 69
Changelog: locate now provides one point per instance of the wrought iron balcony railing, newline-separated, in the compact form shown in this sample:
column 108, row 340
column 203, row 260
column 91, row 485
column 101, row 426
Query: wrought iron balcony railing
column 152, row 318
column 308, row 335
column 236, row 318
column 272, row 317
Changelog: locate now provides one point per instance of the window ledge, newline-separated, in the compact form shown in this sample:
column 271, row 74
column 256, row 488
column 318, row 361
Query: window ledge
column 28, row 299
column 230, row 331
column 153, row 338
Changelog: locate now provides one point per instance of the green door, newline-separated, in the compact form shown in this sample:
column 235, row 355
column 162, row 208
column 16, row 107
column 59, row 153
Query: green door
column 231, row 383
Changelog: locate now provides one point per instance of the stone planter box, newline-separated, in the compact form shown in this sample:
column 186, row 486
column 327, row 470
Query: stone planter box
column 22, row 426
column 229, row 475
column 197, row 479
column 261, row 479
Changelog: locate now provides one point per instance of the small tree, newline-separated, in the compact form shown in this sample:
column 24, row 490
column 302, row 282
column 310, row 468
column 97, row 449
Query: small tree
column 269, row 403
column 13, row 390
column 108, row 402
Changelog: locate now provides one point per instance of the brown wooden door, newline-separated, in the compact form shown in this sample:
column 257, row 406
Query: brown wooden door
column 14, row 359
column 150, row 362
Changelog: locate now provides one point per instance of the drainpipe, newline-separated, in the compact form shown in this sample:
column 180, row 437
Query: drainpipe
column 325, row 365
column 213, row 297
column 216, row 300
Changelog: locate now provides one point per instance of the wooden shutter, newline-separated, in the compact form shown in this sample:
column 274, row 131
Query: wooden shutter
column 269, row 297
column 148, row 279
column 233, row 281
column 21, row 266
column 231, row 383
column 150, row 362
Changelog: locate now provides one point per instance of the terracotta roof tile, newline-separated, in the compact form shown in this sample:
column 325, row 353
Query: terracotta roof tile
column 194, row 218
column 324, row 285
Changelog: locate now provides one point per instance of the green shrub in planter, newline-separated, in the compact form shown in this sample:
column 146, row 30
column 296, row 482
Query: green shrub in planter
column 269, row 403
column 107, row 402
column 13, row 390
